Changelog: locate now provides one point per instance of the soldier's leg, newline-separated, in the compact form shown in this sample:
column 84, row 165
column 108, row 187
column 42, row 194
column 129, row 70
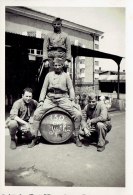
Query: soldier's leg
column 56, row 54
column 38, row 114
column 108, row 125
column 102, row 131
column 67, row 105
column 13, row 127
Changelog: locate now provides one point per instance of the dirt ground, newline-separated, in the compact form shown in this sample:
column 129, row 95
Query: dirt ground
column 68, row 165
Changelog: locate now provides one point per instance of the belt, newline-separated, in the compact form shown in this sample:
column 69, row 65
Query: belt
column 56, row 91
column 59, row 49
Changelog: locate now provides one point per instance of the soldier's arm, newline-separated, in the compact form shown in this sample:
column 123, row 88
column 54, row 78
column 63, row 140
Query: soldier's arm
column 44, row 89
column 84, row 125
column 19, row 120
column 36, row 103
column 68, row 49
column 15, row 110
column 103, row 115
column 70, row 88
column 14, row 113
column 84, row 118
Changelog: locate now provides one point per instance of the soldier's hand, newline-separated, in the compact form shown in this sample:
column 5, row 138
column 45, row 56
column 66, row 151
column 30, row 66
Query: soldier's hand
column 28, row 127
column 89, row 123
column 31, row 120
column 87, row 132
column 46, row 64
column 66, row 64
column 25, row 127
column 40, row 104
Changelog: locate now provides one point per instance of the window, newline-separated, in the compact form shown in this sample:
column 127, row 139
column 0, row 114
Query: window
column 96, row 46
column 97, row 38
column 96, row 62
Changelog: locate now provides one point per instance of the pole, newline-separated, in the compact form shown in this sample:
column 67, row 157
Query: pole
column 118, row 80
column 74, row 72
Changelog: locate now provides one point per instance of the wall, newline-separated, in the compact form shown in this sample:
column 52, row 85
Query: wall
column 18, row 24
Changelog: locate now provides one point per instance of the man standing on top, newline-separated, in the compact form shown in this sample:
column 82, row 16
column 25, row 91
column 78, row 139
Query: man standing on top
column 56, row 45
column 57, row 90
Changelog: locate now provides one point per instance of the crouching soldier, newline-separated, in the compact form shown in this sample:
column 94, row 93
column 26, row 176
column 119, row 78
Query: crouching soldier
column 20, row 118
column 95, row 117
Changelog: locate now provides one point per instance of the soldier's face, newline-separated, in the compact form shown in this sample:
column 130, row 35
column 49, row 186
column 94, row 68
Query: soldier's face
column 58, row 68
column 92, row 103
column 27, row 96
column 57, row 26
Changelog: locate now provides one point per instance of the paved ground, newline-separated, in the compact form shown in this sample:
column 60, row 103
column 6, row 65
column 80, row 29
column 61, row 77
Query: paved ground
column 68, row 165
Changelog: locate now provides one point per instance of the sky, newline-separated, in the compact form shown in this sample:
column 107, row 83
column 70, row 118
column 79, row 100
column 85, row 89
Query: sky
column 110, row 20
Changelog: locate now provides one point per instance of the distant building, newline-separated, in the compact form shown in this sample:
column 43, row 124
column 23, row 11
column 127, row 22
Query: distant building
column 108, row 81
column 25, row 30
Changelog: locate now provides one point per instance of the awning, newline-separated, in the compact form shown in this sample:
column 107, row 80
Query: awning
column 33, row 42
column 79, row 51
column 17, row 40
column 111, row 78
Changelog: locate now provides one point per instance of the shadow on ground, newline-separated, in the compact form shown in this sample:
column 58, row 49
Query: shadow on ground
column 32, row 177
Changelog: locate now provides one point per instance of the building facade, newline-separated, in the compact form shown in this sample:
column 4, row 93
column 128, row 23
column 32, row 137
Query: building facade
column 25, row 32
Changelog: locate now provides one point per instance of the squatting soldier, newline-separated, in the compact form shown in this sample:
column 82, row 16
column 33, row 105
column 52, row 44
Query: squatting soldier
column 20, row 119
column 95, row 117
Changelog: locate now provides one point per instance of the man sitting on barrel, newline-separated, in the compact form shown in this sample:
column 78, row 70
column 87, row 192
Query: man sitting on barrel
column 57, row 90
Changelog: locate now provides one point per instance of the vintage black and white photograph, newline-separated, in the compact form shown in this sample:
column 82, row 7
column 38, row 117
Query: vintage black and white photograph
column 65, row 97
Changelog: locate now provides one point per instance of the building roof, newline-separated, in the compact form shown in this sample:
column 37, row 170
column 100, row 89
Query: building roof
column 111, row 72
column 31, row 13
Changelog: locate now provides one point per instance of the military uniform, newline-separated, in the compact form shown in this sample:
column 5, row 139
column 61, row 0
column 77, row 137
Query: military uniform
column 56, row 45
column 100, row 121
column 54, row 93
column 23, row 111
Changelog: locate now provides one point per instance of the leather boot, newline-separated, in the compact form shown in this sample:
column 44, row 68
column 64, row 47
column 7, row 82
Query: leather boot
column 19, row 137
column 100, row 148
column 33, row 143
column 13, row 144
column 78, row 142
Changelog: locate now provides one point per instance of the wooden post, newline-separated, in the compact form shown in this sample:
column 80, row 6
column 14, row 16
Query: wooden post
column 118, row 80
column 74, row 72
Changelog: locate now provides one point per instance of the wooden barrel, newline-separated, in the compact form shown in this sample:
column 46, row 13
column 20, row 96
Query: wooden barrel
column 56, row 125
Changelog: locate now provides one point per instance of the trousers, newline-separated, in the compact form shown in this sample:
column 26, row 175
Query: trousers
column 102, row 128
column 63, row 103
column 14, row 128
column 56, row 54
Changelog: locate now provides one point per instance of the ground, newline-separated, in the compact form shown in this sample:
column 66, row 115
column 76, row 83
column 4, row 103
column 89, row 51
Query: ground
column 68, row 165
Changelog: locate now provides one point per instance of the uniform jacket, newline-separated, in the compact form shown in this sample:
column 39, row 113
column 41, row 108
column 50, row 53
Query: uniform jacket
column 55, row 41
column 19, row 108
column 99, row 114
column 57, row 81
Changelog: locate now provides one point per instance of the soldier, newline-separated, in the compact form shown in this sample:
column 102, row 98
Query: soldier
column 56, row 45
column 57, row 90
column 95, row 117
column 21, row 117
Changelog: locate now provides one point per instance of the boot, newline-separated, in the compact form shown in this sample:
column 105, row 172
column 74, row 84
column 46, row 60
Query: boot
column 13, row 144
column 19, row 137
column 100, row 148
column 78, row 142
column 33, row 143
